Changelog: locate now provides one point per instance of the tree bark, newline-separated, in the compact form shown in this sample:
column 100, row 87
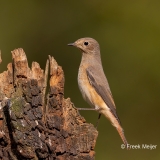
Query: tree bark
column 39, row 125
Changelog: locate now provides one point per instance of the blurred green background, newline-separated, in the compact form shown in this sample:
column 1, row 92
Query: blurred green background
column 129, row 36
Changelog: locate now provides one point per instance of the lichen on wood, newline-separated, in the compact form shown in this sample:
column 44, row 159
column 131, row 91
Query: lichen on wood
column 38, row 125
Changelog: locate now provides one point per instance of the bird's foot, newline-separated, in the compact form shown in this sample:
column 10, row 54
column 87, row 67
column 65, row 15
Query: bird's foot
column 87, row 109
column 99, row 116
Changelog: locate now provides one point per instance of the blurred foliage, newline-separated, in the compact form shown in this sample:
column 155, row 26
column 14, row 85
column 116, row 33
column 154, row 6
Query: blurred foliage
column 128, row 33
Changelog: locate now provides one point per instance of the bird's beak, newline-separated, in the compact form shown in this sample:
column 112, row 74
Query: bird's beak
column 71, row 44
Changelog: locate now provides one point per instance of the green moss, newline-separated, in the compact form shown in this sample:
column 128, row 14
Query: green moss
column 18, row 125
column 17, row 106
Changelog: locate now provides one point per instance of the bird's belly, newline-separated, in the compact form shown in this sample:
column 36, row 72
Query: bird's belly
column 89, row 94
column 85, row 91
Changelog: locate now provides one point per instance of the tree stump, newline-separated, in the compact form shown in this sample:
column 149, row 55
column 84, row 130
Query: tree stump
column 38, row 125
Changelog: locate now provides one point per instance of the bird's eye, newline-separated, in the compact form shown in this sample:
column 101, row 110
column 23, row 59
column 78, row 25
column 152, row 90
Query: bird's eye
column 86, row 43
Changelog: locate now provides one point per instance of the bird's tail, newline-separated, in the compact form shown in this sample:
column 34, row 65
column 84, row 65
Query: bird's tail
column 121, row 133
column 116, row 123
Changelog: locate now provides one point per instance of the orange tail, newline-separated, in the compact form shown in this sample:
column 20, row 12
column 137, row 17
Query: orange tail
column 121, row 133
column 116, row 124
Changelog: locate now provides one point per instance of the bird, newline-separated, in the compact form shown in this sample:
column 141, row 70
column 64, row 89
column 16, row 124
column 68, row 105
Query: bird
column 93, row 83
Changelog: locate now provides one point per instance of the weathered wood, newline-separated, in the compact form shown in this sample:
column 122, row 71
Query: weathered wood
column 35, row 125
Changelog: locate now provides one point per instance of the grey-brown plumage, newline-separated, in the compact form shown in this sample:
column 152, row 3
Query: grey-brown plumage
column 93, row 83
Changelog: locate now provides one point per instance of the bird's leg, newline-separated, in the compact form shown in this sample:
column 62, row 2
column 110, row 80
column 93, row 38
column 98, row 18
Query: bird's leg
column 87, row 109
column 99, row 116
column 91, row 109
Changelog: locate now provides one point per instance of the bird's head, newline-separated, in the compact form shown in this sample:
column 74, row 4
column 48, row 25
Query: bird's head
column 87, row 45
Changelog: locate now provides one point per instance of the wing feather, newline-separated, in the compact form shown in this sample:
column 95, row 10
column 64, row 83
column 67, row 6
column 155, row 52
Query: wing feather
column 102, row 88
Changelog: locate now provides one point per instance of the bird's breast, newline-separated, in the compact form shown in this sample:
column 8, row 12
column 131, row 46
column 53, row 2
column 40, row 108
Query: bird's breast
column 84, row 85
column 88, row 91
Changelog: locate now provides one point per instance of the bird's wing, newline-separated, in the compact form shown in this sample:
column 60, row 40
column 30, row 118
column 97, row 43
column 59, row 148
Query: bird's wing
column 101, row 86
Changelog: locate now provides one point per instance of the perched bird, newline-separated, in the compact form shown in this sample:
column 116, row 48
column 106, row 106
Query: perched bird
column 93, row 83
